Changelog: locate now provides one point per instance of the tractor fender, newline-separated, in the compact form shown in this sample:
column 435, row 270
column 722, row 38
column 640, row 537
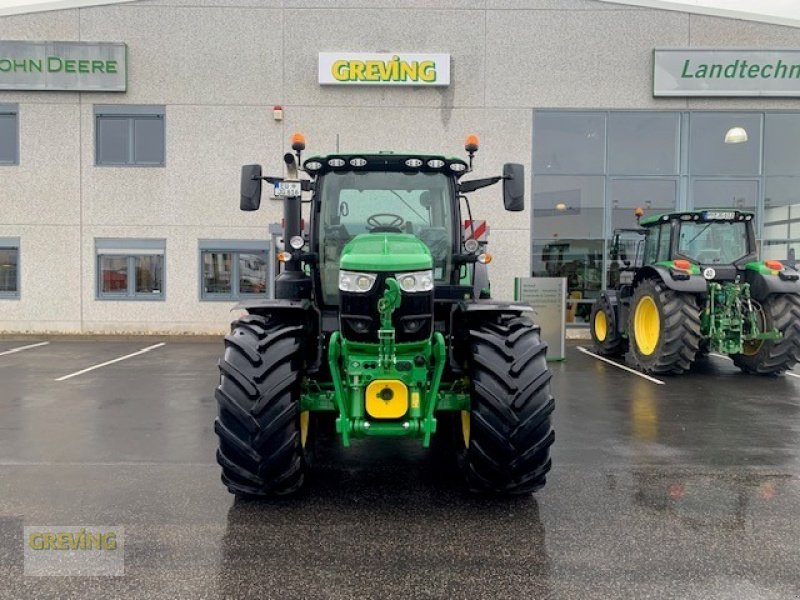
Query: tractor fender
column 302, row 310
column 466, row 314
column 762, row 285
column 696, row 284
column 269, row 305
column 469, row 306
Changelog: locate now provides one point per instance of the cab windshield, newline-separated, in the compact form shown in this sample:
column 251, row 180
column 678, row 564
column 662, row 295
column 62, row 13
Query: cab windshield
column 360, row 202
column 713, row 242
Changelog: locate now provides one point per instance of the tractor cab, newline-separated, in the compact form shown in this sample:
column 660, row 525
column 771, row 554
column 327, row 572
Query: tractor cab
column 721, row 242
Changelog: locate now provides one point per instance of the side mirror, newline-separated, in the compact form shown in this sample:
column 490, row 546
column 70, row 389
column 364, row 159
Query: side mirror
column 513, row 186
column 250, row 188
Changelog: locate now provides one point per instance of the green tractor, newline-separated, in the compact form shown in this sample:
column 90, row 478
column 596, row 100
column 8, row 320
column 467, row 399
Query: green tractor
column 382, row 327
column 696, row 288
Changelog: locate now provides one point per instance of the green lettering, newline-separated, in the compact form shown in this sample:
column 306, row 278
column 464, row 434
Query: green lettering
column 794, row 72
column 753, row 71
column 35, row 65
column 716, row 71
column 5, row 65
column 53, row 64
column 111, row 66
column 742, row 69
column 98, row 66
column 701, row 71
column 685, row 73
column 70, row 66
column 83, row 66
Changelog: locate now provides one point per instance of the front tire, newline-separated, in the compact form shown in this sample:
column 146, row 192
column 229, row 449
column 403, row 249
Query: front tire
column 664, row 328
column 772, row 357
column 262, row 434
column 506, row 436
column 606, row 338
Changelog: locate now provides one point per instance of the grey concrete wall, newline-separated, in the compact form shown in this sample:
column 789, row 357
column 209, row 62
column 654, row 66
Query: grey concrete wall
column 220, row 65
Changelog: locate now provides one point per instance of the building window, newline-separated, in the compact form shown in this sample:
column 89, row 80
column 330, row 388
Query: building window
column 9, row 134
column 9, row 268
column 132, row 136
column 130, row 269
column 233, row 269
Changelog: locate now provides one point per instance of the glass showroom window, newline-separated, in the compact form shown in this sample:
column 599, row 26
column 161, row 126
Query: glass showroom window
column 9, row 134
column 9, row 268
column 131, row 136
column 781, row 228
column 233, row 271
column 130, row 269
column 591, row 170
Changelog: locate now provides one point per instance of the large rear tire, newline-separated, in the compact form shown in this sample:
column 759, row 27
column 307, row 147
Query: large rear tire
column 606, row 338
column 506, row 436
column 663, row 328
column 262, row 434
column 772, row 357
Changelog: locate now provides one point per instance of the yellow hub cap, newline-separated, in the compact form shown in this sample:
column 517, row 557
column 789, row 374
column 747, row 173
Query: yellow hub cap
column 304, row 417
column 465, row 427
column 600, row 326
column 646, row 325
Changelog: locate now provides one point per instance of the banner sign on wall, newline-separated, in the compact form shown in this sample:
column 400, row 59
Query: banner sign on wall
column 366, row 68
column 707, row 72
column 63, row 66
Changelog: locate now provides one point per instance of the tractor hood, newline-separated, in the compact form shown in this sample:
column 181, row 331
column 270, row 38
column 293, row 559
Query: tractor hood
column 386, row 252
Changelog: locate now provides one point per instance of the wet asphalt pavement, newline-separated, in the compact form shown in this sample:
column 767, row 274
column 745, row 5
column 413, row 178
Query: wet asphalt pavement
column 689, row 489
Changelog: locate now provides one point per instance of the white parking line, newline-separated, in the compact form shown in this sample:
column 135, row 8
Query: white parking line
column 111, row 362
column 619, row 366
column 21, row 348
column 789, row 373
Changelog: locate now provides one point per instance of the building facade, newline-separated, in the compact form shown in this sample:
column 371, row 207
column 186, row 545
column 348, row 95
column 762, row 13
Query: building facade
column 119, row 209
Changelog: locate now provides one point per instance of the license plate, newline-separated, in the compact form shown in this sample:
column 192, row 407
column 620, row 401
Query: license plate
column 719, row 215
column 285, row 189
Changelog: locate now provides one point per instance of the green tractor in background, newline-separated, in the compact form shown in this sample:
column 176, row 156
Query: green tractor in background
column 699, row 288
column 382, row 327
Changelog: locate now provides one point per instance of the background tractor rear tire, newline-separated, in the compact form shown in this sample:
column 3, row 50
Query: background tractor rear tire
column 506, row 436
column 782, row 312
column 606, row 337
column 261, row 433
column 663, row 328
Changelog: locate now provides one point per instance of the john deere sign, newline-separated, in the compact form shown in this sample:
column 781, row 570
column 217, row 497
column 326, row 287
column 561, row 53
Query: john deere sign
column 63, row 66
column 699, row 72
column 354, row 68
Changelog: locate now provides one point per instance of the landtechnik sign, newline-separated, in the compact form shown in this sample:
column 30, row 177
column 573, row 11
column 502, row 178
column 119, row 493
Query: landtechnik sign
column 360, row 68
column 63, row 66
column 706, row 72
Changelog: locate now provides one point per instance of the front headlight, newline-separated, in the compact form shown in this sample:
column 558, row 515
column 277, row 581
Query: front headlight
column 418, row 281
column 359, row 283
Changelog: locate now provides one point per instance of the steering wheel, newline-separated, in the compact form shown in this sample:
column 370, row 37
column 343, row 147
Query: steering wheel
column 392, row 223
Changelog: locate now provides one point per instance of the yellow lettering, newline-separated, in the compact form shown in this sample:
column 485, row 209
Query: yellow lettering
column 36, row 541
column 110, row 541
column 408, row 71
column 357, row 70
column 373, row 69
column 49, row 541
column 427, row 71
column 340, row 70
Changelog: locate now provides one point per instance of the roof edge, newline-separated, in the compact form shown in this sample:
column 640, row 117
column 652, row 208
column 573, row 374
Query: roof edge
column 696, row 7
column 23, row 7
